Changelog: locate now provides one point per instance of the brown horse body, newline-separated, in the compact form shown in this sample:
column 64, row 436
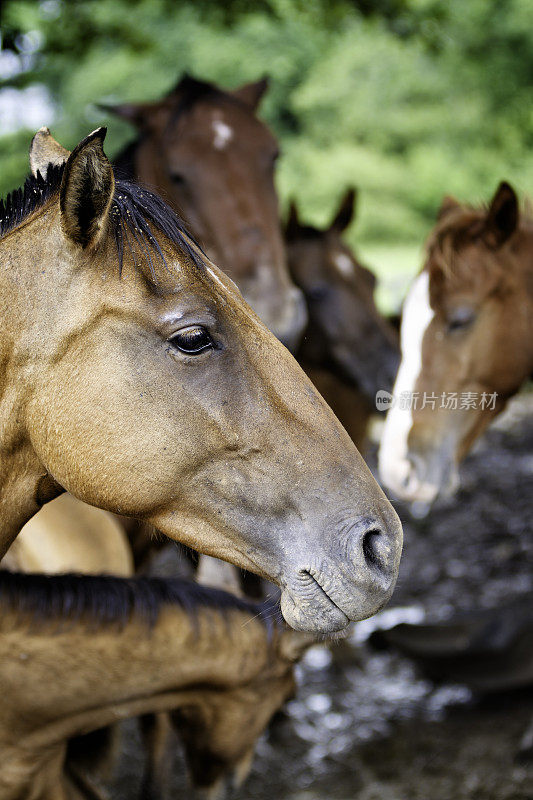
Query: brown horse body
column 204, row 150
column 79, row 653
column 467, row 343
column 144, row 385
column 349, row 350
column 68, row 536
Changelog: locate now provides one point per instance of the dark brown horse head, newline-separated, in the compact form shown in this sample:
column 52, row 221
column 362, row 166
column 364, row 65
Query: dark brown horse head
column 345, row 328
column 134, row 375
column 207, row 153
column 466, row 343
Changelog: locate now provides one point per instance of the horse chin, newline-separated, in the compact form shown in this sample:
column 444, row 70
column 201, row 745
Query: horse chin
column 307, row 606
column 318, row 614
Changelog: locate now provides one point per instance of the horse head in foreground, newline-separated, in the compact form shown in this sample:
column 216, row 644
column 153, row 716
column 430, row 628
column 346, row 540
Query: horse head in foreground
column 135, row 377
column 467, row 343
column 206, row 152
column 345, row 329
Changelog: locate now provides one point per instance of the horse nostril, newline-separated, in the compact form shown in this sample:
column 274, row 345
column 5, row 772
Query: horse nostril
column 373, row 548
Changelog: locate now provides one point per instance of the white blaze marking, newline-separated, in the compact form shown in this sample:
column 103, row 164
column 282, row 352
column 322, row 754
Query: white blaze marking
column 223, row 134
column 417, row 315
column 343, row 264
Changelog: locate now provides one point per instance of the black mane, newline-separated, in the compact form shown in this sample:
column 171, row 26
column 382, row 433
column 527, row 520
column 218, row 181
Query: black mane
column 22, row 202
column 135, row 215
column 105, row 600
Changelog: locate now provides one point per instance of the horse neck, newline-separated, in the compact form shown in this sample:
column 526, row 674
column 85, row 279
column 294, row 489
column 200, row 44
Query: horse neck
column 109, row 674
column 24, row 483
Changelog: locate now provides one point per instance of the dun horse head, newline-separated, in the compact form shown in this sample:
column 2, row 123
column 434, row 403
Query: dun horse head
column 466, row 342
column 135, row 377
column 207, row 153
column 108, row 649
column 345, row 327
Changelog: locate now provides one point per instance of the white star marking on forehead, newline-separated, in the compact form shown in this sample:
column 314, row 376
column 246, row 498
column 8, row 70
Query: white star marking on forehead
column 343, row 264
column 223, row 134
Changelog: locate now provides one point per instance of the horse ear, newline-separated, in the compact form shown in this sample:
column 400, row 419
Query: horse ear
column 293, row 644
column 448, row 204
column 292, row 226
column 135, row 113
column 252, row 93
column 502, row 216
column 346, row 211
column 44, row 150
column 86, row 190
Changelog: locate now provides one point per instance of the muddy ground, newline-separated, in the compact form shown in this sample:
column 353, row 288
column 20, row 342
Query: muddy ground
column 366, row 724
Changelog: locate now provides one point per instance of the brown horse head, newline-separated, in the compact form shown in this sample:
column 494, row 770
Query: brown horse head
column 206, row 152
column 466, row 343
column 108, row 648
column 134, row 375
column 345, row 328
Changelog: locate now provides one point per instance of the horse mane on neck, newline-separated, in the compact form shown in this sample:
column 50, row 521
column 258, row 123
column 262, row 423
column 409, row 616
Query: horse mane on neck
column 135, row 215
column 101, row 600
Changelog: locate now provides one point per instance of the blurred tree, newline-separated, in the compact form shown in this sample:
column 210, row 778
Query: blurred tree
column 409, row 99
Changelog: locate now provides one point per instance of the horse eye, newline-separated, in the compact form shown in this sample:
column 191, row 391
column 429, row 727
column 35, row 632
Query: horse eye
column 192, row 340
column 460, row 318
column 177, row 179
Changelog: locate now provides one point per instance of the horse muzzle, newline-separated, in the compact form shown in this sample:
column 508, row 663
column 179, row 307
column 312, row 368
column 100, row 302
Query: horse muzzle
column 416, row 480
column 326, row 594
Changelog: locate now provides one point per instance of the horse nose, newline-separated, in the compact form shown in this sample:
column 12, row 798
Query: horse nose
column 376, row 553
column 375, row 549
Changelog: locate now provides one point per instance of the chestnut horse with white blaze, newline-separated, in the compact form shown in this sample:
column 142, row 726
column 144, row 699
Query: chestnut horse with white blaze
column 134, row 376
column 204, row 150
column 467, row 343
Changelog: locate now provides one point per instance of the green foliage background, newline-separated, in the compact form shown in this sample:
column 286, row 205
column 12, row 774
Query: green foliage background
column 407, row 99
